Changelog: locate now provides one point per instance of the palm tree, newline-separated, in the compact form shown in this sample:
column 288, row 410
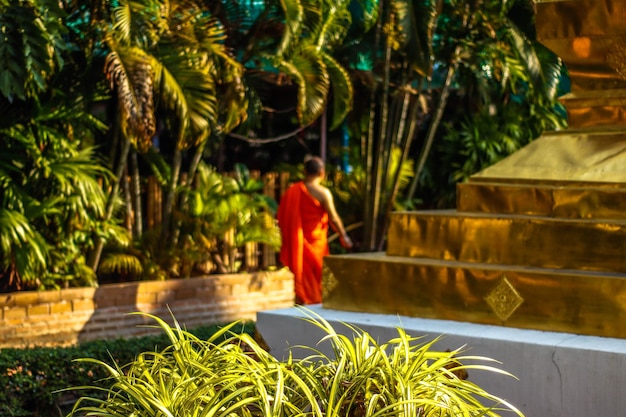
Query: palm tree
column 291, row 43
column 174, row 59
column 418, row 55
column 485, row 54
column 168, row 58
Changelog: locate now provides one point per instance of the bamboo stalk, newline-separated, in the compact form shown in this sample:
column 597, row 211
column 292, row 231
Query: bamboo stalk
column 268, row 254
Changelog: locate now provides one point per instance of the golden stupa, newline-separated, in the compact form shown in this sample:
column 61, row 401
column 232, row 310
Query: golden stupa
column 537, row 241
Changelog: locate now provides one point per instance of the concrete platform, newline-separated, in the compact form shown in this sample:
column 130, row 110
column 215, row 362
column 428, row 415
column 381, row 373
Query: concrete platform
column 559, row 374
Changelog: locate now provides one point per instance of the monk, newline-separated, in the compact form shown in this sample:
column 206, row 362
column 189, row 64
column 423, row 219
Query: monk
column 304, row 214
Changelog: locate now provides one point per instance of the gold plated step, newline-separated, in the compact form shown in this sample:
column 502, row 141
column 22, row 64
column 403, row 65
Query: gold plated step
column 592, row 245
column 571, row 301
column 589, row 36
column 572, row 202
column 595, row 109
column 578, row 158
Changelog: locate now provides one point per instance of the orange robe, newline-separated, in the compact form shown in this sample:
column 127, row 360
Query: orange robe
column 304, row 228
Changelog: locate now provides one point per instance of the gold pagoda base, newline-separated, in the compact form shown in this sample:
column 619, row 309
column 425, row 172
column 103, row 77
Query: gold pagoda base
column 587, row 303
column 538, row 241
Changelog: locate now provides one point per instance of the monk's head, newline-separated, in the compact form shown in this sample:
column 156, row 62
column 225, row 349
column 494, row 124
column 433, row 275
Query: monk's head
column 314, row 167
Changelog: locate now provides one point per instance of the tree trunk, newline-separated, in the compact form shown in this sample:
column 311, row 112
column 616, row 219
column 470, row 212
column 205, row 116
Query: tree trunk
column 94, row 258
column 403, row 142
column 128, row 202
column 136, row 190
column 193, row 167
column 396, row 183
column 369, row 149
column 375, row 168
column 170, row 199
column 432, row 128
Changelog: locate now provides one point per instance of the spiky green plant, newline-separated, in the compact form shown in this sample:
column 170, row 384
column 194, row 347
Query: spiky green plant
column 237, row 377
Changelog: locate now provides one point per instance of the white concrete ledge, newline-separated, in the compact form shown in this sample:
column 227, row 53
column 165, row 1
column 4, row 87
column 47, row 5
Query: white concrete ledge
column 559, row 374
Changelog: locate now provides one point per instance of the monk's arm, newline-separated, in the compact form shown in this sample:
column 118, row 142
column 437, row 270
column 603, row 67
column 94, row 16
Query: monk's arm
column 335, row 220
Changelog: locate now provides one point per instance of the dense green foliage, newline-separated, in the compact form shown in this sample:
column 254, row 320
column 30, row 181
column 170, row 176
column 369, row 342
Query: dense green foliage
column 32, row 378
column 97, row 96
column 160, row 84
column 504, row 89
column 426, row 80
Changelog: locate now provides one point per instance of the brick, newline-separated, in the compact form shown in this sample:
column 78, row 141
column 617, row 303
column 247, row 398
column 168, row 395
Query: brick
column 186, row 293
column 26, row 298
column 114, row 310
column 38, row 310
column 240, row 288
column 121, row 287
column 104, row 302
column 156, row 286
column 9, row 331
column 234, row 279
column 222, row 290
column 7, row 300
column 164, row 297
column 258, row 283
column 34, row 330
column 206, row 292
column 62, row 339
column 125, row 298
column 51, row 296
column 77, row 293
column 199, row 282
column 146, row 298
column 60, row 307
column 13, row 322
column 83, row 305
column 14, row 313
column 106, row 318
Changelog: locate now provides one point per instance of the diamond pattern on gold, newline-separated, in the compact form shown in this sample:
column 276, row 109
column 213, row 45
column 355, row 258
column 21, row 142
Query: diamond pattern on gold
column 504, row 299
column 329, row 282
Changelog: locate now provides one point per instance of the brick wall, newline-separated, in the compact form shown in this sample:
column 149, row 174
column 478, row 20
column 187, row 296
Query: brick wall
column 70, row 316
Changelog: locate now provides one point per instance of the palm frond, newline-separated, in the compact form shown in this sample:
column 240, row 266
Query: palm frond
column 122, row 22
column 342, row 91
column 308, row 71
column 415, row 26
column 334, row 27
column 294, row 16
column 526, row 52
column 121, row 263
column 130, row 73
column 228, row 74
column 22, row 248
column 78, row 176
column 368, row 13
column 315, row 15
column 16, row 232
column 27, row 50
column 138, row 22
column 186, row 89
column 406, row 169
column 200, row 90
column 552, row 70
